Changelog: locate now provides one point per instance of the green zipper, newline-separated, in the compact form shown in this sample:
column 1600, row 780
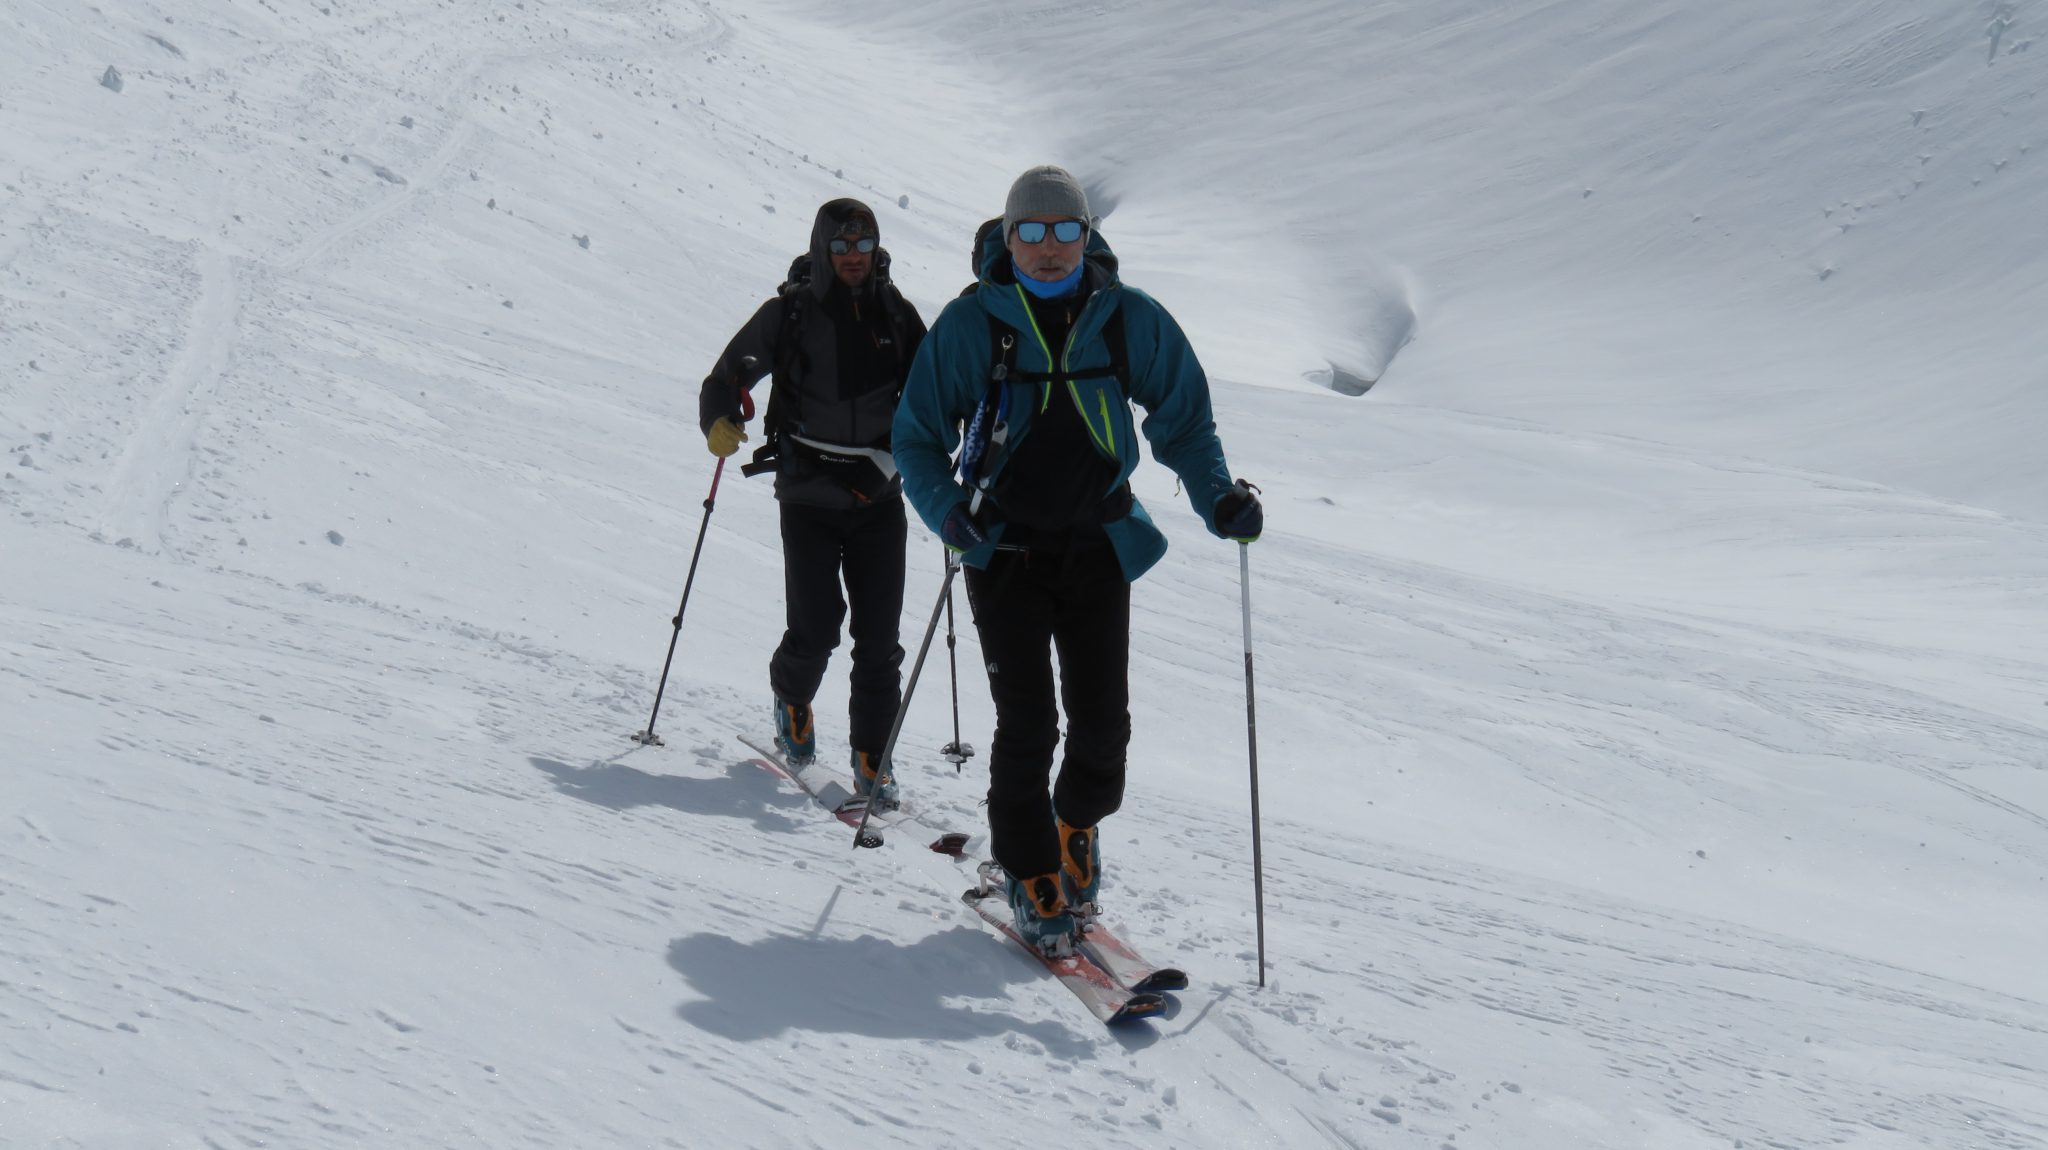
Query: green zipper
column 1107, row 439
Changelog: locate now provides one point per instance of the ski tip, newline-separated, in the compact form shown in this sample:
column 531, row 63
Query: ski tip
column 951, row 843
column 1144, row 1005
column 1166, row 978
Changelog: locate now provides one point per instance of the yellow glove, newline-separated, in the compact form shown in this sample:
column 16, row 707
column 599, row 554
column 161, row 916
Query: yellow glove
column 725, row 438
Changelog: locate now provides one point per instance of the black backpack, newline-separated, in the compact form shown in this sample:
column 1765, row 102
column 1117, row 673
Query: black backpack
column 785, row 405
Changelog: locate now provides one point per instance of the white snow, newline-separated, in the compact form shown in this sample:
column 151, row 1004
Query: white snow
column 1652, row 730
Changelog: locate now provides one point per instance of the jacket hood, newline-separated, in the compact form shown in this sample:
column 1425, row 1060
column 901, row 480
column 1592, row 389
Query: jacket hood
column 832, row 215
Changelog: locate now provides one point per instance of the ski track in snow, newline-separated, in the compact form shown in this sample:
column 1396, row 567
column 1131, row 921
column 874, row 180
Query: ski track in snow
column 158, row 461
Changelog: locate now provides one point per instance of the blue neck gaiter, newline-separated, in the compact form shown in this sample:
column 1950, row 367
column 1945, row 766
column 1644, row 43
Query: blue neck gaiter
column 1056, row 288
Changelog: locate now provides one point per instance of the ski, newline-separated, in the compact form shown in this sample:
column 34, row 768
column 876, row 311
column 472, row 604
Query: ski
column 826, row 790
column 1107, row 973
column 1123, row 962
column 1107, row 999
column 816, row 781
column 1108, row 950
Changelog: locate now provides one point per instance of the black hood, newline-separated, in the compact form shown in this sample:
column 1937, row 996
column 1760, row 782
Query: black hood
column 832, row 215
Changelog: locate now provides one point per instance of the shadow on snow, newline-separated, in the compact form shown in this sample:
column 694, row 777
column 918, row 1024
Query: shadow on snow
column 743, row 792
column 876, row 988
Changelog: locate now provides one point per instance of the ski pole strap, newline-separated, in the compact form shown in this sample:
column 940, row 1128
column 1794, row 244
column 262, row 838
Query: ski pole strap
column 766, row 457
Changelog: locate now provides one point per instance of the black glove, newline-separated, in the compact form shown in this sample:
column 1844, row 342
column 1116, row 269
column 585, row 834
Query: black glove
column 1238, row 514
column 959, row 531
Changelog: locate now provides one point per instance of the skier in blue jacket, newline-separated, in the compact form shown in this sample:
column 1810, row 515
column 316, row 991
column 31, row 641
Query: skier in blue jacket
column 1041, row 362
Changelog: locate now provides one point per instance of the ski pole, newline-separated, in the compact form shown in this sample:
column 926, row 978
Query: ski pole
column 1251, row 728
column 886, row 769
column 648, row 736
column 956, row 752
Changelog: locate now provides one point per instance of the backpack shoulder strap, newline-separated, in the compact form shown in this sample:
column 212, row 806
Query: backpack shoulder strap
column 784, row 371
column 1119, row 350
column 1112, row 338
column 789, row 348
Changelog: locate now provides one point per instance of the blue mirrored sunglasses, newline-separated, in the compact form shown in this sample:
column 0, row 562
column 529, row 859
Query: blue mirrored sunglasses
column 1065, row 231
column 863, row 244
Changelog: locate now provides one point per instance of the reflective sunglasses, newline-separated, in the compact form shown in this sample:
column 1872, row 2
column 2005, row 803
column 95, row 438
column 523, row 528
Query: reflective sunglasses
column 841, row 247
column 1065, row 231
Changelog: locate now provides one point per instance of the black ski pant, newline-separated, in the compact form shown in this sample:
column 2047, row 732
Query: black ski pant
column 1026, row 604
column 864, row 545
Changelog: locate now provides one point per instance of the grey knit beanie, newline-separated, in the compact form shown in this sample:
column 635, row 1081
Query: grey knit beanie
column 1044, row 191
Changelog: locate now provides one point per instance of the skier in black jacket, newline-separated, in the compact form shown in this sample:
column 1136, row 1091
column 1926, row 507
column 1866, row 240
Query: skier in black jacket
column 838, row 341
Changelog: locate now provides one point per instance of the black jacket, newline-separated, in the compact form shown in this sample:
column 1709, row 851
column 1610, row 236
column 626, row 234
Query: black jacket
column 838, row 358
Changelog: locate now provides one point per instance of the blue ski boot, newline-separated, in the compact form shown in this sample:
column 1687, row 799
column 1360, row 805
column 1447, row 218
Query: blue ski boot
column 1080, row 871
column 1040, row 907
column 883, row 797
column 793, row 735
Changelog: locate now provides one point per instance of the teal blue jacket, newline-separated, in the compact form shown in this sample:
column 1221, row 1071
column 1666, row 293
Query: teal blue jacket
column 951, row 373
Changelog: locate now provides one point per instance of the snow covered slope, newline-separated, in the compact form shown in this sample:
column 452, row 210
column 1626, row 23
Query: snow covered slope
column 1805, row 233
column 1654, row 750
